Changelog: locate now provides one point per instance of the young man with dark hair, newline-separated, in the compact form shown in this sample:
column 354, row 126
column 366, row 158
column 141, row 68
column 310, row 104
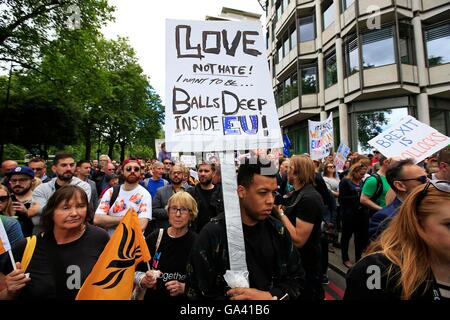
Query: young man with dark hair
column 443, row 162
column 208, row 196
column 64, row 168
column 273, row 262
column 83, row 171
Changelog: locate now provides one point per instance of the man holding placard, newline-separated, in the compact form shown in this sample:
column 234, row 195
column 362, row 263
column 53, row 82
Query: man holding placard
column 274, row 267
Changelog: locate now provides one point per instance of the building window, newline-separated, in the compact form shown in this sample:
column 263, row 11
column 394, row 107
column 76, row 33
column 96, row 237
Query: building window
column 406, row 44
column 438, row 45
column 286, row 45
column 287, row 90
column 309, row 80
column 346, row 4
column 330, row 70
column 279, row 7
column 293, row 37
column 378, row 48
column 307, row 29
column 351, row 55
column 279, row 53
column 328, row 13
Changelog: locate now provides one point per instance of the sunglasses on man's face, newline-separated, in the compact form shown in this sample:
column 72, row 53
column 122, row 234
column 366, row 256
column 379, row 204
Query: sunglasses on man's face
column 135, row 169
column 421, row 179
column 441, row 185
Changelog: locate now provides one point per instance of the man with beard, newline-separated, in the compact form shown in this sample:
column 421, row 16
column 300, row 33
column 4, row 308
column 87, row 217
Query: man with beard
column 208, row 196
column 160, row 217
column 64, row 168
column 21, row 181
column 131, row 195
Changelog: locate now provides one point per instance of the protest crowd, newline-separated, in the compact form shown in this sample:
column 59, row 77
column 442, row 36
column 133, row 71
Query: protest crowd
column 292, row 217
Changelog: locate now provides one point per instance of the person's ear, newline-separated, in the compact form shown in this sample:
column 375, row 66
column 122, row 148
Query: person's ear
column 400, row 186
column 241, row 192
column 54, row 169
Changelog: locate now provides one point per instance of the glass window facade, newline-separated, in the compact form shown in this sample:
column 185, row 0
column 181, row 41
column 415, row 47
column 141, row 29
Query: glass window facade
column 346, row 4
column 309, row 80
column 307, row 29
column 330, row 70
column 328, row 13
column 351, row 55
column 406, row 48
column 287, row 90
column 378, row 48
column 438, row 45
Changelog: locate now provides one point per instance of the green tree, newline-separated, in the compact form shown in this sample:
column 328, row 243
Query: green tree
column 370, row 125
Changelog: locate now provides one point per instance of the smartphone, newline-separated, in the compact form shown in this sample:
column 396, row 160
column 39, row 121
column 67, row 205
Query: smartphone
column 13, row 197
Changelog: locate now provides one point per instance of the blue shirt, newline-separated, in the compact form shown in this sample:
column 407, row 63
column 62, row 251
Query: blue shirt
column 154, row 185
column 14, row 233
column 378, row 223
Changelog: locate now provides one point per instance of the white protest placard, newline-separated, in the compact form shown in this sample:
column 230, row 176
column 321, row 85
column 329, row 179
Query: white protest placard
column 341, row 156
column 410, row 138
column 219, row 93
column 320, row 138
column 189, row 161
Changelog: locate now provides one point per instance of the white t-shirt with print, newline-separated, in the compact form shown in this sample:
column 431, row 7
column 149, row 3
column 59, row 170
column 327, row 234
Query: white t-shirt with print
column 139, row 199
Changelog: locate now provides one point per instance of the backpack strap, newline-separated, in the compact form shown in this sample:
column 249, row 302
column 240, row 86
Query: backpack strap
column 116, row 190
column 28, row 253
column 379, row 189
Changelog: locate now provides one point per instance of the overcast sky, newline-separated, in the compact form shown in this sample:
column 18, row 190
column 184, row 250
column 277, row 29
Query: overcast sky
column 143, row 22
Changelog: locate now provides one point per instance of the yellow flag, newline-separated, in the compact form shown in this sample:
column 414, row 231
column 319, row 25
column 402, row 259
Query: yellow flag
column 4, row 242
column 113, row 274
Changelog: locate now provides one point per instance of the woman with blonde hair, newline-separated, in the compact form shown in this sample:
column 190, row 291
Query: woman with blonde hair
column 170, row 250
column 412, row 256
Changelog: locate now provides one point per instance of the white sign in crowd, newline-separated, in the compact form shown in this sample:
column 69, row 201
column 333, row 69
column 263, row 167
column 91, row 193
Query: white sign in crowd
column 321, row 139
column 410, row 138
column 218, row 89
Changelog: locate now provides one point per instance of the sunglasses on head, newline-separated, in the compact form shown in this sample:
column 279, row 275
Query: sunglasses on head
column 4, row 198
column 441, row 185
column 136, row 169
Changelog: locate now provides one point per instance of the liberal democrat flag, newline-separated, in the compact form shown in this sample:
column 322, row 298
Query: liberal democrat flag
column 113, row 274
column 4, row 242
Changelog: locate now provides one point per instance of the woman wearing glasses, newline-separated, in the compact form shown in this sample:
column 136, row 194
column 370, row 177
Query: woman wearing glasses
column 411, row 259
column 64, row 254
column 170, row 249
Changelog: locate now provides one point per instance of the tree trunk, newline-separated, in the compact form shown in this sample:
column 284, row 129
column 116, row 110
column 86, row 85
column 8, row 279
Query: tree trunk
column 122, row 151
column 87, row 142
column 111, row 147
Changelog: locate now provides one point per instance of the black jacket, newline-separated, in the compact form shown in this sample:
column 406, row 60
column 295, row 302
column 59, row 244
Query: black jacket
column 206, row 211
column 209, row 261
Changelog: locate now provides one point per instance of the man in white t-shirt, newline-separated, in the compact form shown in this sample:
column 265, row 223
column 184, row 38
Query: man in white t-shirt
column 131, row 195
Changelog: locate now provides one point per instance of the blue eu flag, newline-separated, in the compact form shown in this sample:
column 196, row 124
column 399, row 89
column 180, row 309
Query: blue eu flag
column 287, row 144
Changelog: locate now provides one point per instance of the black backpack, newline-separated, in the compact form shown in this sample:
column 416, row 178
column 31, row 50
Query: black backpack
column 376, row 195
column 116, row 190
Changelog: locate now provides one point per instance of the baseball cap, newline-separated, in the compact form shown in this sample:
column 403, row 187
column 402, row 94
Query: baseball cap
column 21, row 170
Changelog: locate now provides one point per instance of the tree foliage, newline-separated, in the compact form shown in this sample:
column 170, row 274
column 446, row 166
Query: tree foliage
column 370, row 125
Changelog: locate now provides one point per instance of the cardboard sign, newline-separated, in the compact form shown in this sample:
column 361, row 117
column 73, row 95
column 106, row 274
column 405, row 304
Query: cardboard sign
column 189, row 161
column 321, row 138
column 218, row 88
column 341, row 156
column 410, row 138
